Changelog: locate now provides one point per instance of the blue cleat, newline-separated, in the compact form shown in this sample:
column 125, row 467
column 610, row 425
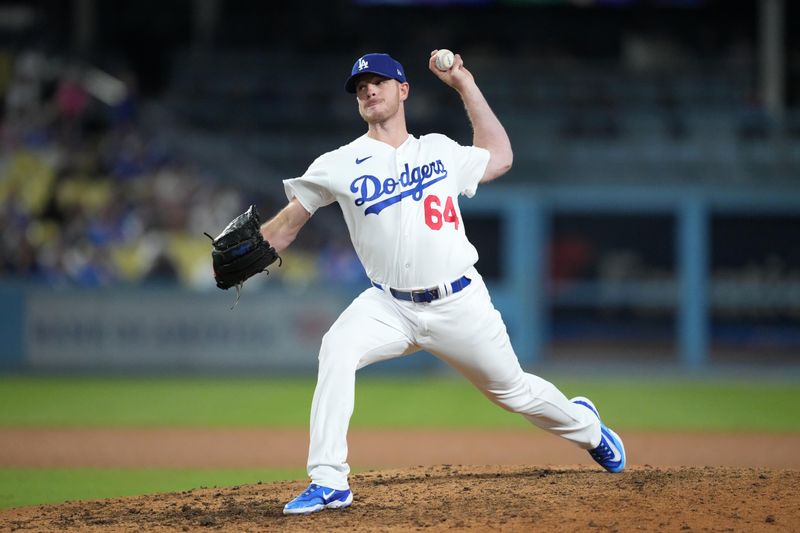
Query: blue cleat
column 610, row 453
column 316, row 498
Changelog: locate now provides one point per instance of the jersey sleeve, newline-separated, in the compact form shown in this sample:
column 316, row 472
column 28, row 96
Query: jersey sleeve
column 472, row 163
column 312, row 189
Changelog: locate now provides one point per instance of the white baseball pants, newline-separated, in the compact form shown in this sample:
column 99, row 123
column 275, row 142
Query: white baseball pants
column 465, row 331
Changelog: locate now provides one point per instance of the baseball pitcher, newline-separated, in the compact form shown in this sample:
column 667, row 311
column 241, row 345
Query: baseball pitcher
column 399, row 195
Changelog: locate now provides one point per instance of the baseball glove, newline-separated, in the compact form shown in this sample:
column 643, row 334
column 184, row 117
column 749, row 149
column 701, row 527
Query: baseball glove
column 240, row 251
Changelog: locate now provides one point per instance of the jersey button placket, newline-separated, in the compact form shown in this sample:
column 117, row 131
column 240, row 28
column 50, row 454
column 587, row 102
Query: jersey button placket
column 399, row 167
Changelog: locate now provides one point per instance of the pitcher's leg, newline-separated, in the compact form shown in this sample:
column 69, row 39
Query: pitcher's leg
column 368, row 331
column 484, row 355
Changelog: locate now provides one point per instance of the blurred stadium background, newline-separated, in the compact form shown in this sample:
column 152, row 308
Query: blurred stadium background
column 651, row 220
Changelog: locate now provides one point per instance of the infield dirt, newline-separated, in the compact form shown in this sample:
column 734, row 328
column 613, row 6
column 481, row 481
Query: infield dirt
column 753, row 494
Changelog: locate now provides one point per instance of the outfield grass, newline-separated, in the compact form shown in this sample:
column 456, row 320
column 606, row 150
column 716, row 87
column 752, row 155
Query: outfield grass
column 629, row 404
column 20, row 487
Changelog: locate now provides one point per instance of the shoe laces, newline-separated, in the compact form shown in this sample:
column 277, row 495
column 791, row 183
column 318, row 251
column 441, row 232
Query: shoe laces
column 602, row 452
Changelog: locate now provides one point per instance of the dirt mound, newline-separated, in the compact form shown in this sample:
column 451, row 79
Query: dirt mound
column 453, row 498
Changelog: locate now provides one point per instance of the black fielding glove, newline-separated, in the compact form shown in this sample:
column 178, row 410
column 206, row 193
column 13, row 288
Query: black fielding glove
column 240, row 251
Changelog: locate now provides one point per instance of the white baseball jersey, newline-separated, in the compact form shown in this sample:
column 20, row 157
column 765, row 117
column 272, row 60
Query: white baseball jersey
column 401, row 208
column 400, row 205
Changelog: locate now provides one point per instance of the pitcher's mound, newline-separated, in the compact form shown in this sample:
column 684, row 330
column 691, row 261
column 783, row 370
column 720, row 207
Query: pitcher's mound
column 455, row 498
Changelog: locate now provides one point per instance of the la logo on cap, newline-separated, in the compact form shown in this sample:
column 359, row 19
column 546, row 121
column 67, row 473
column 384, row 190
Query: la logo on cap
column 362, row 64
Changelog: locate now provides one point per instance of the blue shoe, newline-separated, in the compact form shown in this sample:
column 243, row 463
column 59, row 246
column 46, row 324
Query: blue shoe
column 610, row 453
column 316, row 498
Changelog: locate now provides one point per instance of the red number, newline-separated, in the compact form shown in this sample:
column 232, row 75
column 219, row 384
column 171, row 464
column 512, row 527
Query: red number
column 435, row 218
column 450, row 214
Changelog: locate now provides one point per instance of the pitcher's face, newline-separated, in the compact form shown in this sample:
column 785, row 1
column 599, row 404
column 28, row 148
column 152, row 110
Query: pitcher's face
column 379, row 98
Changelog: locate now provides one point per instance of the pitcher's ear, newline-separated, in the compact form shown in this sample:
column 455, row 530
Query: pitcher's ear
column 404, row 88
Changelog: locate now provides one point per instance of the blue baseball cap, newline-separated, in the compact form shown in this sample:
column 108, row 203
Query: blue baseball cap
column 381, row 64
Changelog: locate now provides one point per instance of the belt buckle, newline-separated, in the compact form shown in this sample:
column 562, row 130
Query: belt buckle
column 425, row 295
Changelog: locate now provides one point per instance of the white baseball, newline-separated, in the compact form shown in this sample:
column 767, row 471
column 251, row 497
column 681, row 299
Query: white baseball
column 444, row 59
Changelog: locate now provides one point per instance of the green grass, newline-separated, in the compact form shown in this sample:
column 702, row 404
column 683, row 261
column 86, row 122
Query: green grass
column 629, row 404
column 670, row 405
column 176, row 402
column 21, row 487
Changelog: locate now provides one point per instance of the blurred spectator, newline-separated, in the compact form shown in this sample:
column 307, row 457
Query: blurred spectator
column 94, row 207
column 125, row 112
column 71, row 101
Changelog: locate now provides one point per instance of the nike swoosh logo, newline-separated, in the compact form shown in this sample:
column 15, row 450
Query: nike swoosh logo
column 359, row 161
column 617, row 455
column 326, row 496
